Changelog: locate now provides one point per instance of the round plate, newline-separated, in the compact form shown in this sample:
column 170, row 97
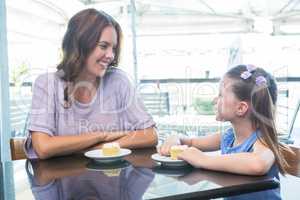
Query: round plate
column 167, row 161
column 98, row 156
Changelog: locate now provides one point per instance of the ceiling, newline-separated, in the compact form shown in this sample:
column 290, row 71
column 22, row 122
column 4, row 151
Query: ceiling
column 276, row 17
column 164, row 17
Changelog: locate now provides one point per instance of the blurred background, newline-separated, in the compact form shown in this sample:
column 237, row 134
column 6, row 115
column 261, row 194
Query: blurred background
column 174, row 51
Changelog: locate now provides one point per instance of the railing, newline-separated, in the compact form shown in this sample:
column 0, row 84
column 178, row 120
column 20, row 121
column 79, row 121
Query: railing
column 205, row 80
column 20, row 103
column 19, row 109
column 179, row 105
column 180, row 97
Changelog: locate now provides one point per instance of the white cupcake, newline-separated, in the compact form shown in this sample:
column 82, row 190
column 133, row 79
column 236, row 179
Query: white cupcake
column 111, row 149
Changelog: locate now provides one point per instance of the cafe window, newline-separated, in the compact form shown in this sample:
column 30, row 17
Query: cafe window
column 174, row 47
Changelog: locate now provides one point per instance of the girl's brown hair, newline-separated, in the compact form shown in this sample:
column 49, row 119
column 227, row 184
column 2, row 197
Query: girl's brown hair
column 263, row 98
column 83, row 32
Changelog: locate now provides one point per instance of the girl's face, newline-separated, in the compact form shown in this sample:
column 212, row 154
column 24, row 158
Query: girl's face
column 227, row 103
column 103, row 55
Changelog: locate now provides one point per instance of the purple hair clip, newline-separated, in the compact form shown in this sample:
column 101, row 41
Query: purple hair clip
column 245, row 75
column 260, row 80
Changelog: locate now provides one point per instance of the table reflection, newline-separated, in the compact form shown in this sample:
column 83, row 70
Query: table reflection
column 84, row 179
column 173, row 171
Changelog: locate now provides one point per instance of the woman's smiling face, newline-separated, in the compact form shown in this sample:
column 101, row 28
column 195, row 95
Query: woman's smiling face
column 103, row 55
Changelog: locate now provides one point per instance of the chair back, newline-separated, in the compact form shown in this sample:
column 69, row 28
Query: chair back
column 17, row 148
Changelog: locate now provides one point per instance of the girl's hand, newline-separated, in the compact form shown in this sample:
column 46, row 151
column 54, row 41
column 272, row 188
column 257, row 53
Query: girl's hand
column 164, row 149
column 193, row 156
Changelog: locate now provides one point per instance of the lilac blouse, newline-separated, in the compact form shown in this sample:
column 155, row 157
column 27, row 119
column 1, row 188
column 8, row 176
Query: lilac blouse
column 115, row 107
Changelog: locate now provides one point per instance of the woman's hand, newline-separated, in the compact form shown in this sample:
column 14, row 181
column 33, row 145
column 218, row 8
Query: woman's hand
column 106, row 137
column 111, row 136
column 193, row 156
column 164, row 149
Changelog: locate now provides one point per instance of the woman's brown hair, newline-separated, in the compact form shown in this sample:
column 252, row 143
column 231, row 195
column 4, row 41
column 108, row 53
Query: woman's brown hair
column 83, row 32
column 263, row 97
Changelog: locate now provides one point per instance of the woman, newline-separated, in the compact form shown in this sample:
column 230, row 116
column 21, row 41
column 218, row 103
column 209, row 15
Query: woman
column 88, row 101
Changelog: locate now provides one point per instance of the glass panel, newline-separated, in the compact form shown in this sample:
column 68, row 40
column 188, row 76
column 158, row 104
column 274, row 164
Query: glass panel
column 295, row 131
column 185, row 48
column 34, row 40
column 175, row 40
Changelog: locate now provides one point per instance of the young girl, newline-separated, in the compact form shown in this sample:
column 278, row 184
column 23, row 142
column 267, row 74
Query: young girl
column 247, row 99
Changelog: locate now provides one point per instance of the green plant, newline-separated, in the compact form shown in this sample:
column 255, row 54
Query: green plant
column 203, row 106
column 17, row 73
